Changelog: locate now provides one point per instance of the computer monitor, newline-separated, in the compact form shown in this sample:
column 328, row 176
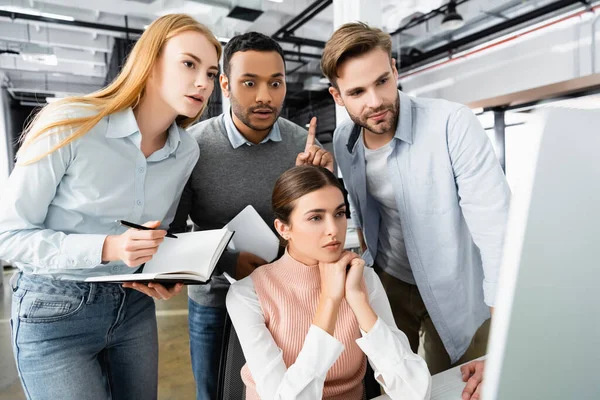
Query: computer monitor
column 545, row 338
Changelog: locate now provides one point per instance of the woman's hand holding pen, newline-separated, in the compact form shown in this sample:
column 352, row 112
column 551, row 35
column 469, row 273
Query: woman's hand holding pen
column 133, row 247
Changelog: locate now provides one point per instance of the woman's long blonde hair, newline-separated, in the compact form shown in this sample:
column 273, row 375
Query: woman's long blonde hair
column 125, row 90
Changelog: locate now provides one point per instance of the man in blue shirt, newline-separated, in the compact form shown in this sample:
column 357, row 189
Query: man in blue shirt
column 428, row 195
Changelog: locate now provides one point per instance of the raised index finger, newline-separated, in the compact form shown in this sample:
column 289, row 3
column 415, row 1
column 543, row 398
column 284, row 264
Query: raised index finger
column 312, row 133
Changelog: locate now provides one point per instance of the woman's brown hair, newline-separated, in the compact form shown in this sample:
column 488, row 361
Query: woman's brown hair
column 297, row 182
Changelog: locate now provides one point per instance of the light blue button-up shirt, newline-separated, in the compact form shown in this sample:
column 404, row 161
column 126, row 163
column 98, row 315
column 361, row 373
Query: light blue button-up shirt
column 453, row 200
column 237, row 139
column 56, row 213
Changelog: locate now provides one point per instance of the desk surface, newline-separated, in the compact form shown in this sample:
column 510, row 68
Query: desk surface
column 447, row 385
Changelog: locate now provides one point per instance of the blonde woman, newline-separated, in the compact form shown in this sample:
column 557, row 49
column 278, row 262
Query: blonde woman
column 119, row 153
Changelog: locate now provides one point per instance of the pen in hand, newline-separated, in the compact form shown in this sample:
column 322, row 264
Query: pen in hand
column 142, row 228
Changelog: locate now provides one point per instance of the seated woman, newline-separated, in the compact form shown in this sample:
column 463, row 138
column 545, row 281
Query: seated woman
column 306, row 321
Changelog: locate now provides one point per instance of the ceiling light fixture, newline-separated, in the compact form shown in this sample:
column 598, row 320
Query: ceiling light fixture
column 45, row 59
column 452, row 20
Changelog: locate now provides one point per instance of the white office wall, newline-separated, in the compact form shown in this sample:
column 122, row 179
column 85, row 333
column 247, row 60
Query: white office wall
column 557, row 53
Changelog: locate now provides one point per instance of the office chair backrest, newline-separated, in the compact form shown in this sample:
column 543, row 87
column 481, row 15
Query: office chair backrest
column 372, row 387
column 230, row 384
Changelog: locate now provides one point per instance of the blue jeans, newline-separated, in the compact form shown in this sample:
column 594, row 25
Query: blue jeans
column 75, row 340
column 206, row 340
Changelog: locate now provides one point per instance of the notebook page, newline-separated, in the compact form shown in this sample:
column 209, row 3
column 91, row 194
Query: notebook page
column 190, row 252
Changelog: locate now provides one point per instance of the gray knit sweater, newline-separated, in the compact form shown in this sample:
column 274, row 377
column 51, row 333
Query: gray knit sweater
column 224, row 181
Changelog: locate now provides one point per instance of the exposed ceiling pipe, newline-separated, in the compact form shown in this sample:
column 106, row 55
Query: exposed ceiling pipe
column 495, row 44
column 442, row 10
column 503, row 26
column 470, row 25
column 285, row 34
column 82, row 24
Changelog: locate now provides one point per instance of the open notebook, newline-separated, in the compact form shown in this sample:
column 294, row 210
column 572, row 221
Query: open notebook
column 191, row 259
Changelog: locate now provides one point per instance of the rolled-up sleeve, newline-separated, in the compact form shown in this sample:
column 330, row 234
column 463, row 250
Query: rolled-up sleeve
column 483, row 191
column 23, row 208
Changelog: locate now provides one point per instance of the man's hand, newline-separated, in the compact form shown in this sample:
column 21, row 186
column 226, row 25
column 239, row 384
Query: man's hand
column 472, row 373
column 246, row 263
column 155, row 290
column 313, row 154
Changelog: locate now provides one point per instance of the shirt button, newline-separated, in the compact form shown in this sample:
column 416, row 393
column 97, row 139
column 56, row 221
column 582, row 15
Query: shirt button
column 115, row 269
column 72, row 262
column 141, row 170
column 139, row 202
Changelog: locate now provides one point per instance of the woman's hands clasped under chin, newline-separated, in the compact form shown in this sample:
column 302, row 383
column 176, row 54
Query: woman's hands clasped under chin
column 343, row 278
column 355, row 287
column 339, row 280
column 334, row 276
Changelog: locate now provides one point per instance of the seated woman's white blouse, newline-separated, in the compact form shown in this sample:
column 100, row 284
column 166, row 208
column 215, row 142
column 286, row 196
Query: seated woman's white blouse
column 403, row 374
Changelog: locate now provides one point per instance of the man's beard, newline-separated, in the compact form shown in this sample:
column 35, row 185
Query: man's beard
column 381, row 127
column 244, row 114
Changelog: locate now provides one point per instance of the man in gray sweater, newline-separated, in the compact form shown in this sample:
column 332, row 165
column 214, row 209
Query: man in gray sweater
column 242, row 154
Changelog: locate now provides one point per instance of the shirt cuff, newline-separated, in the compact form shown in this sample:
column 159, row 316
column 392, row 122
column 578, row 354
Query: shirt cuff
column 489, row 293
column 319, row 352
column 374, row 343
column 82, row 251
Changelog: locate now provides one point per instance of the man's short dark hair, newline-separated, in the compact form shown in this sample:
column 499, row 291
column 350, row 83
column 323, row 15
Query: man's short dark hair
column 251, row 41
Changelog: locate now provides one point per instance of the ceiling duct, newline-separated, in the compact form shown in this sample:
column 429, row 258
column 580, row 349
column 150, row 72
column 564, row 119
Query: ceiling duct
column 286, row 34
column 246, row 10
column 30, row 96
